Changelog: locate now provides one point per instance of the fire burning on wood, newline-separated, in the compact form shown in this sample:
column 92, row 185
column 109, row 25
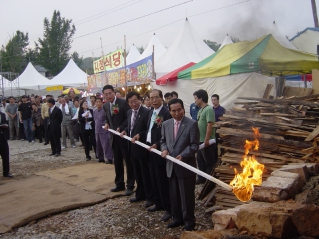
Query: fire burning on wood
column 243, row 183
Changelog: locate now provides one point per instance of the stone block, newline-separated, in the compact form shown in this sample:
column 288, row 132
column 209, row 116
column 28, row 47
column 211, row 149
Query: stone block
column 306, row 219
column 301, row 169
column 266, row 221
column 278, row 188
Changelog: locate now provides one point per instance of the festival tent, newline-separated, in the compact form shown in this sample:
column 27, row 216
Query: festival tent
column 282, row 39
column 226, row 41
column 159, row 49
column 187, row 47
column 229, row 88
column 264, row 55
column 172, row 76
column 71, row 75
column 133, row 55
column 31, row 79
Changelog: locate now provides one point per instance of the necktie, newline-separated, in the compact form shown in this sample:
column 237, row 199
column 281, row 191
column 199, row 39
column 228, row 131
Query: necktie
column 134, row 119
column 152, row 120
column 176, row 129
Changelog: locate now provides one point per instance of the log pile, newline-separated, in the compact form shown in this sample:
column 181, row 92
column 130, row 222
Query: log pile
column 288, row 128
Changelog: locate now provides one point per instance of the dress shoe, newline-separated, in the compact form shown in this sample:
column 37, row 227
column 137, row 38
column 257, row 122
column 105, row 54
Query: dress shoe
column 109, row 162
column 101, row 161
column 132, row 200
column 8, row 175
column 166, row 217
column 88, row 158
column 148, row 204
column 117, row 189
column 154, row 209
column 174, row 224
column 52, row 154
column 128, row 192
column 46, row 143
column 57, row 155
column 40, row 141
column 189, row 228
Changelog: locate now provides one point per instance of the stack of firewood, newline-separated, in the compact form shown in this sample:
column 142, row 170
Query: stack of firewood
column 288, row 134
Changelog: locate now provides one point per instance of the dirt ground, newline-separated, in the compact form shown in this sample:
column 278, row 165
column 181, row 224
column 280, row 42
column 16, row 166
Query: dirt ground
column 114, row 218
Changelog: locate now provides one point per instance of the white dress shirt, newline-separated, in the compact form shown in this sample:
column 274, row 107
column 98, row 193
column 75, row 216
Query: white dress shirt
column 148, row 139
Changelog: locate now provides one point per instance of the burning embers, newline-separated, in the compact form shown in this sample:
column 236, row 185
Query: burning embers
column 243, row 183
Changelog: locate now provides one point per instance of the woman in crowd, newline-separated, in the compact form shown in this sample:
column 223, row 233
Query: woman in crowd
column 37, row 121
column 146, row 101
column 21, row 126
column 87, row 128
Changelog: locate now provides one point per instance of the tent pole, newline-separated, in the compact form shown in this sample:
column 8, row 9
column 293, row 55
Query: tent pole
column 153, row 63
column 305, row 80
column 125, row 65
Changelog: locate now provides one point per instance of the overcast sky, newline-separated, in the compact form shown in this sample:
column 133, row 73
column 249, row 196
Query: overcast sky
column 244, row 19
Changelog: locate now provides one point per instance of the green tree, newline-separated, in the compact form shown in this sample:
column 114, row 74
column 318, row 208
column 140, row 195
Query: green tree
column 54, row 47
column 13, row 54
column 235, row 39
column 213, row 45
column 32, row 55
column 140, row 49
column 77, row 59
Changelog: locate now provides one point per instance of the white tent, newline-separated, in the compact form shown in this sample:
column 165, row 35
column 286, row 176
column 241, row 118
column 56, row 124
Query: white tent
column 159, row 49
column 187, row 47
column 133, row 55
column 229, row 88
column 31, row 79
column 226, row 41
column 274, row 30
column 71, row 75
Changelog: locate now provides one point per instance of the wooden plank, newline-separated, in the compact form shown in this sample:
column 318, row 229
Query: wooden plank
column 267, row 91
column 313, row 134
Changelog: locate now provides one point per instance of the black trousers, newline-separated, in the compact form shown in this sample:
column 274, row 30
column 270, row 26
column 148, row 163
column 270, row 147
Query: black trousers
column 55, row 140
column 143, row 178
column 206, row 160
column 4, row 153
column 120, row 152
column 89, row 140
column 160, row 185
column 46, row 131
column 21, row 131
column 182, row 191
column 39, row 132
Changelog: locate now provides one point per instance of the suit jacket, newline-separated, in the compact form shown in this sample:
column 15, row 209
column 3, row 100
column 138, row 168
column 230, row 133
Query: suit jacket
column 55, row 120
column 186, row 145
column 118, row 120
column 156, row 130
column 3, row 121
column 83, row 121
column 140, row 125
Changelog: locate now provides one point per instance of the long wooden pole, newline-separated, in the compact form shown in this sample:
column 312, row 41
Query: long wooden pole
column 125, row 65
column 195, row 170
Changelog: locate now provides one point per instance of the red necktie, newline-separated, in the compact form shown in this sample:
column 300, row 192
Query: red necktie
column 176, row 129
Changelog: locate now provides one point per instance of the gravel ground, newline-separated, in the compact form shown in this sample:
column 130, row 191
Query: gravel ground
column 114, row 218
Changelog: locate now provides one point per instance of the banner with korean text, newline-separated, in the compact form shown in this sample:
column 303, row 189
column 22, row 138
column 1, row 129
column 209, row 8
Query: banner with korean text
column 111, row 61
column 140, row 72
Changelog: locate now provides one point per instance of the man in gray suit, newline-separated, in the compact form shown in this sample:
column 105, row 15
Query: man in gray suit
column 180, row 139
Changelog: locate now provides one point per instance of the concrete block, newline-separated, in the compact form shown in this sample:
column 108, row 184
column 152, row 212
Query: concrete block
column 301, row 169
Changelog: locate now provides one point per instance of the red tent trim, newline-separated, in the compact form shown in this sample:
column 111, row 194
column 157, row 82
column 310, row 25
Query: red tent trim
column 172, row 76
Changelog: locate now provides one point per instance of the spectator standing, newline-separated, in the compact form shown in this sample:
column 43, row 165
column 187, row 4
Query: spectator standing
column 174, row 95
column 193, row 110
column 3, row 108
column 67, row 124
column 205, row 157
column 11, row 110
column 45, row 117
column 146, row 102
column 20, row 123
column 92, row 99
column 218, row 109
column 4, row 149
column 37, row 121
column 68, row 101
column 76, row 124
column 25, row 111
column 103, row 143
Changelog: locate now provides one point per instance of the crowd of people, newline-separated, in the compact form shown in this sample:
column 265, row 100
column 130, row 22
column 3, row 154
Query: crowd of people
column 156, row 120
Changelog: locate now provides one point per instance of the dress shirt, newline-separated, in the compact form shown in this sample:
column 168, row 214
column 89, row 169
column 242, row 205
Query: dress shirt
column 111, row 104
column 148, row 139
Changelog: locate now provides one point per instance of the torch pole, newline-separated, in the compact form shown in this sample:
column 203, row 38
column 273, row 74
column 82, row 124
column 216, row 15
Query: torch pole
column 195, row 170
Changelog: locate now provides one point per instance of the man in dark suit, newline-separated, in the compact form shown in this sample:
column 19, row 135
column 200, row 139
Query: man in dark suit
column 157, row 165
column 4, row 147
column 54, row 127
column 137, row 118
column 116, row 119
column 180, row 139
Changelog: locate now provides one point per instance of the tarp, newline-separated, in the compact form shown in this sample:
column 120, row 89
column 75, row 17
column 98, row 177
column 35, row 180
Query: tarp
column 172, row 76
column 31, row 79
column 281, row 38
column 133, row 55
column 71, row 75
column 226, row 41
column 229, row 88
column 159, row 49
column 187, row 47
column 299, row 77
column 264, row 55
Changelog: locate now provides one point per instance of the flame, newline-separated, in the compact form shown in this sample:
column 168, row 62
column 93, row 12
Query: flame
column 243, row 183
